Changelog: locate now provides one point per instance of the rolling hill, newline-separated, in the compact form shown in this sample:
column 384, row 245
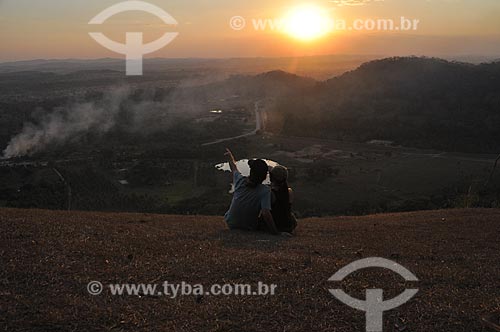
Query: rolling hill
column 419, row 102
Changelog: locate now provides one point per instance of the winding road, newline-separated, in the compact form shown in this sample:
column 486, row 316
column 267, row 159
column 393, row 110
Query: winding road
column 259, row 125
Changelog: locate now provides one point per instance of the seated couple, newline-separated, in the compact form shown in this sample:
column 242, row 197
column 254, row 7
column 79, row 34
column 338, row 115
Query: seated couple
column 257, row 207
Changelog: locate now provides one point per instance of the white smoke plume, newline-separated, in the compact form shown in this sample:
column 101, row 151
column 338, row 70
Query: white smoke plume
column 145, row 116
column 65, row 123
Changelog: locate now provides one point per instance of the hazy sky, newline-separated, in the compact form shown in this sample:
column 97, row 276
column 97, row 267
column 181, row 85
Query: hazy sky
column 58, row 28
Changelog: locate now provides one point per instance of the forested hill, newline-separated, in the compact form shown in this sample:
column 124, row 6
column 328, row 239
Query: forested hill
column 422, row 102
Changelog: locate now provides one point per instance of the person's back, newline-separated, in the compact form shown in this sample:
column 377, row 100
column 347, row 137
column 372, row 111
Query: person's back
column 247, row 203
column 251, row 199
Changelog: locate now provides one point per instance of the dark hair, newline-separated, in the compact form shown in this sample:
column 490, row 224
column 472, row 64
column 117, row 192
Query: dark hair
column 258, row 172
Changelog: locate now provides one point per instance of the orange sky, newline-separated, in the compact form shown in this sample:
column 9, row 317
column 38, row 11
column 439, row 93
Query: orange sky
column 58, row 28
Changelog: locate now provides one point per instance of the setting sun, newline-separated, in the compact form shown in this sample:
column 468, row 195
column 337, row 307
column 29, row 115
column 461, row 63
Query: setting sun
column 306, row 22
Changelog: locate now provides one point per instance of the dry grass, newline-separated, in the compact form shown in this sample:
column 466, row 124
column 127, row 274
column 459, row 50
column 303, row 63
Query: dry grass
column 47, row 258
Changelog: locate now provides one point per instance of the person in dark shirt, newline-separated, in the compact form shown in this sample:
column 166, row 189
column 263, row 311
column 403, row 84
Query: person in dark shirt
column 281, row 200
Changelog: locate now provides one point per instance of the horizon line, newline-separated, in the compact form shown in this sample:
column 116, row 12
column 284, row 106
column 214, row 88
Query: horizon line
column 442, row 56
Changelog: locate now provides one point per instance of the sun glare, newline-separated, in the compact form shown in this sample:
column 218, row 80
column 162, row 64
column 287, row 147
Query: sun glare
column 306, row 22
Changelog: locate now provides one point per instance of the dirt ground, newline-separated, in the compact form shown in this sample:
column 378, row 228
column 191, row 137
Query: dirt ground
column 47, row 259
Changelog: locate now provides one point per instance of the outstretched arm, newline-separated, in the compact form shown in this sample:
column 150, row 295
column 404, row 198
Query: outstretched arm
column 232, row 161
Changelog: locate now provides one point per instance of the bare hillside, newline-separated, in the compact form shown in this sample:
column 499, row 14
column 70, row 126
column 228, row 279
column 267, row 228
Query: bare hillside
column 47, row 259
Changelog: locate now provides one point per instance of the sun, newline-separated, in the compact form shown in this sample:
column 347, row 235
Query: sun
column 306, row 22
